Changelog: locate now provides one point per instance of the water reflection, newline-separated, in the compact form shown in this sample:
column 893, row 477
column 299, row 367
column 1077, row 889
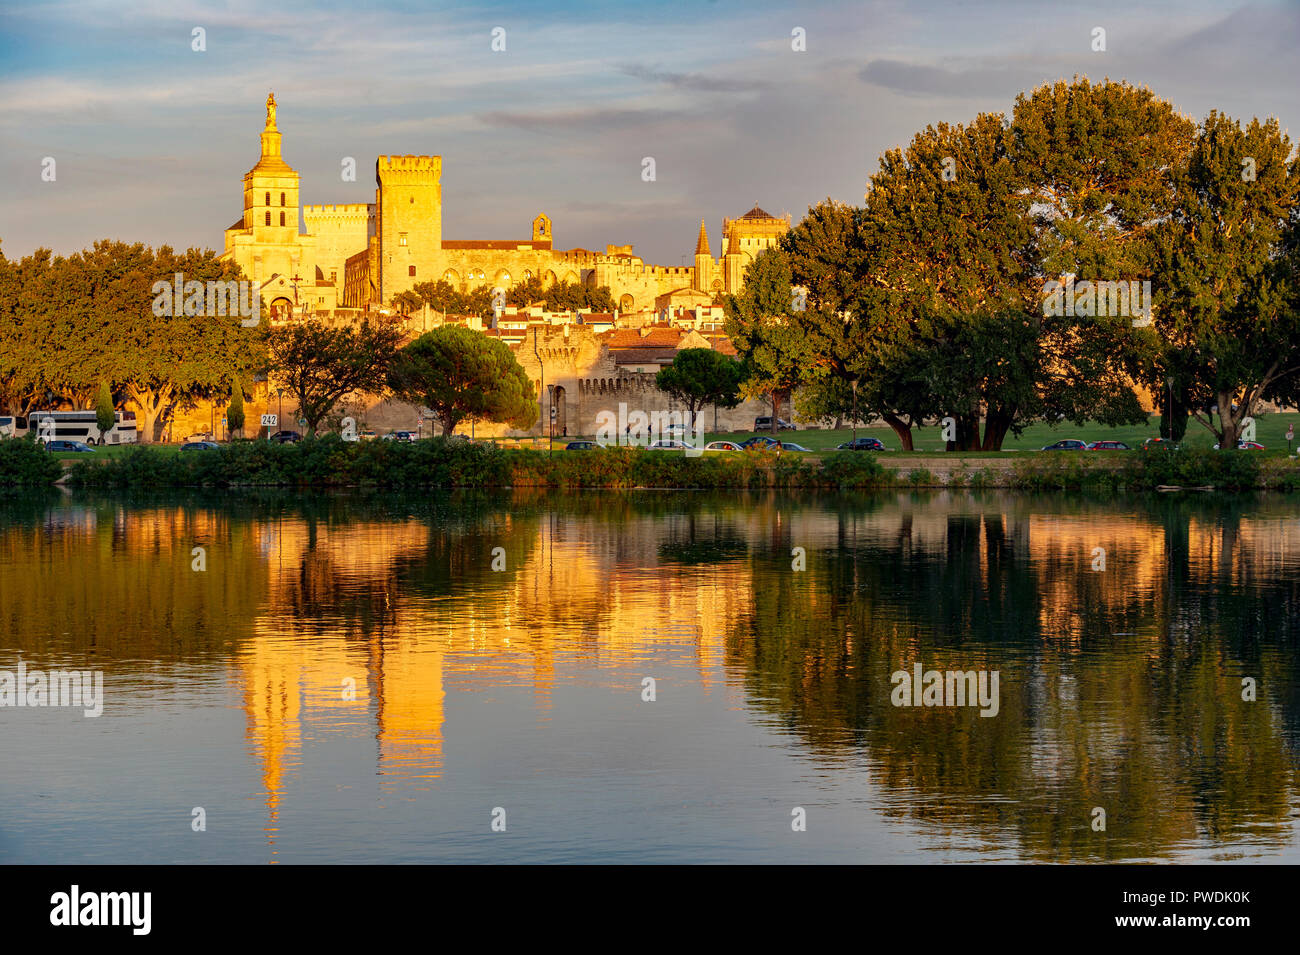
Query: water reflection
column 336, row 618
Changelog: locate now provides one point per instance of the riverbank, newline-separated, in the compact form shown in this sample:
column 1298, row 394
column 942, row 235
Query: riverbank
column 330, row 462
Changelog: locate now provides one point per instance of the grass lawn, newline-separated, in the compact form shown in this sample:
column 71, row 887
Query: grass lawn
column 1270, row 431
column 111, row 451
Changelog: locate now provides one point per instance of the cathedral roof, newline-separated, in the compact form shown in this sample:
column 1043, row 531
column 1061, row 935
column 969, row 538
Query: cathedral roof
column 702, row 243
column 756, row 213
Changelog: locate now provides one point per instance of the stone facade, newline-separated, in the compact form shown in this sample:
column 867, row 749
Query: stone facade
column 361, row 255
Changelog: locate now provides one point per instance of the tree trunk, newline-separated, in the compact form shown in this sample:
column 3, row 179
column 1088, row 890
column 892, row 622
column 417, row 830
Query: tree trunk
column 996, row 426
column 152, row 403
column 1228, row 424
column 901, row 428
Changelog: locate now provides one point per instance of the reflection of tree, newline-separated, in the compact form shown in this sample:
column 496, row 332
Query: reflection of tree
column 1137, row 710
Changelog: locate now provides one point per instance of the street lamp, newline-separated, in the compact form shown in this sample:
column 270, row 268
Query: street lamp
column 279, row 420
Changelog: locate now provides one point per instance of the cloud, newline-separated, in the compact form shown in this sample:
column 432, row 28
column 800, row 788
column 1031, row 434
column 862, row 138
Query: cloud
column 974, row 81
column 700, row 82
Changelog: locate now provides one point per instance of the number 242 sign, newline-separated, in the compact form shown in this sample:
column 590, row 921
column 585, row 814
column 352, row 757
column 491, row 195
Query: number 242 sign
column 269, row 420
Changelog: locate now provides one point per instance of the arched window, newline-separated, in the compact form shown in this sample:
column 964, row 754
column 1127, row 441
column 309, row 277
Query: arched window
column 268, row 201
column 282, row 198
column 268, row 218
column 281, row 218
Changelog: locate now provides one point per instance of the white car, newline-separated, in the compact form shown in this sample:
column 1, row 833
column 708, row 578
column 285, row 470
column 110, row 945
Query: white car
column 668, row 445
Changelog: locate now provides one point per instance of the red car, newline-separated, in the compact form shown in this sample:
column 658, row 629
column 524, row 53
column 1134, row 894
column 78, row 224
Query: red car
column 1109, row 446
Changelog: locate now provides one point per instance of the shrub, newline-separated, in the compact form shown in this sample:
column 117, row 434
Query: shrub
column 24, row 463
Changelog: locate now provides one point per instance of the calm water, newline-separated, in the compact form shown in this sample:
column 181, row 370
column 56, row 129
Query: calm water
column 350, row 680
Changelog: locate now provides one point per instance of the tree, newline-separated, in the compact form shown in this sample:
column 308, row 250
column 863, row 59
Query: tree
column 459, row 373
column 770, row 343
column 526, row 293
column 406, row 302
column 320, row 363
column 235, row 411
column 1228, row 315
column 67, row 324
column 699, row 377
column 105, row 413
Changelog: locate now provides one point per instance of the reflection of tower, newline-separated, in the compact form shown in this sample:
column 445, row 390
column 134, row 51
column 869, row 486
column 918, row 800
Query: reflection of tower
column 409, row 699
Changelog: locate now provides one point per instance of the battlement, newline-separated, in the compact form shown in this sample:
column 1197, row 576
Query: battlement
column 340, row 211
column 408, row 169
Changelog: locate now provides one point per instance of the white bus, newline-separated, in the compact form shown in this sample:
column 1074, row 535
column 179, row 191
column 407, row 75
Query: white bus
column 82, row 426
column 12, row 426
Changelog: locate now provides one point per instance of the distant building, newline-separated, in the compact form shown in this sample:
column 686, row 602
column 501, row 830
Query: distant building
column 361, row 255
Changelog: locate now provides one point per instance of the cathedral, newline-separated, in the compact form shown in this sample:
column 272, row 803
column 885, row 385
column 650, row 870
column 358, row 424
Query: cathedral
column 359, row 256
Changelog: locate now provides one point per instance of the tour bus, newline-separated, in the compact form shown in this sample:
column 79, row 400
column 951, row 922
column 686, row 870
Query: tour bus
column 12, row 426
column 82, row 426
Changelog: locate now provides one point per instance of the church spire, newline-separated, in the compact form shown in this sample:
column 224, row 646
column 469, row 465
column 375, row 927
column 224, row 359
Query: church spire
column 702, row 243
column 271, row 161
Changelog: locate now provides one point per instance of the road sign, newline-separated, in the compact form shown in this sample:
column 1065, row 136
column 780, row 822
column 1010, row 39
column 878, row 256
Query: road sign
column 302, row 422
column 269, row 421
column 223, row 421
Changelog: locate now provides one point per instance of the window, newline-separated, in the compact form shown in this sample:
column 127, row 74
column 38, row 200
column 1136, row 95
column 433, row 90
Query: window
column 281, row 218
column 268, row 218
column 401, row 238
column 334, row 275
column 410, row 270
column 282, row 198
column 268, row 201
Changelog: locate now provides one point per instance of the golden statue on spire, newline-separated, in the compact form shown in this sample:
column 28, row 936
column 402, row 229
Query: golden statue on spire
column 270, row 111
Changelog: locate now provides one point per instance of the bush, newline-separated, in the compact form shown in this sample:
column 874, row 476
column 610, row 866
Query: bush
column 24, row 463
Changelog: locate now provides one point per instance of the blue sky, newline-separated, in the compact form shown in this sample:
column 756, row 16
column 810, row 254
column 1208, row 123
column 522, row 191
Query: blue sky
column 151, row 139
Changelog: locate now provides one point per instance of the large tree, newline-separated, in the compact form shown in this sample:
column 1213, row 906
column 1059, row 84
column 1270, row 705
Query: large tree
column 320, row 363
column 459, row 373
column 699, row 377
column 67, row 324
column 769, row 340
column 1227, row 310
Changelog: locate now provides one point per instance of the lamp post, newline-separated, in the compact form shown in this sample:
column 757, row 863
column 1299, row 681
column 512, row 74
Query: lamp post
column 279, row 419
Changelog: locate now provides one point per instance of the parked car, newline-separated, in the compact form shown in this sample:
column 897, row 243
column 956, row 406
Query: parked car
column 580, row 446
column 791, row 446
column 61, row 445
column 760, row 441
column 723, row 446
column 1069, row 444
column 668, row 444
column 399, row 436
column 1153, row 444
column 1109, row 446
column 1247, row 446
column 199, row 446
column 862, row 444
column 286, row 437
column 764, row 423
column 201, row 436
column 367, row 435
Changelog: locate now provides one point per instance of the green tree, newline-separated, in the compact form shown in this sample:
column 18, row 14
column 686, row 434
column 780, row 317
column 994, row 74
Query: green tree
column 458, row 374
column 440, row 296
column 105, row 413
column 406, row 302
column 699, row 377
column 1227, row 314
column 526, row 293
column 235, row 410
column 321, row 363
column 770, row 343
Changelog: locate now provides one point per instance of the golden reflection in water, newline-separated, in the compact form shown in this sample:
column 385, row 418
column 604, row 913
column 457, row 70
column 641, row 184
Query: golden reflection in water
column 575, row 596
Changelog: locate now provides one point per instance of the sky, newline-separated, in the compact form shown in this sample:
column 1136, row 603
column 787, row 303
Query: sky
column 151, row 138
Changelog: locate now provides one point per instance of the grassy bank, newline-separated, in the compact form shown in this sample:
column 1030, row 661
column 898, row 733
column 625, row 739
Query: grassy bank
column 329, row 462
